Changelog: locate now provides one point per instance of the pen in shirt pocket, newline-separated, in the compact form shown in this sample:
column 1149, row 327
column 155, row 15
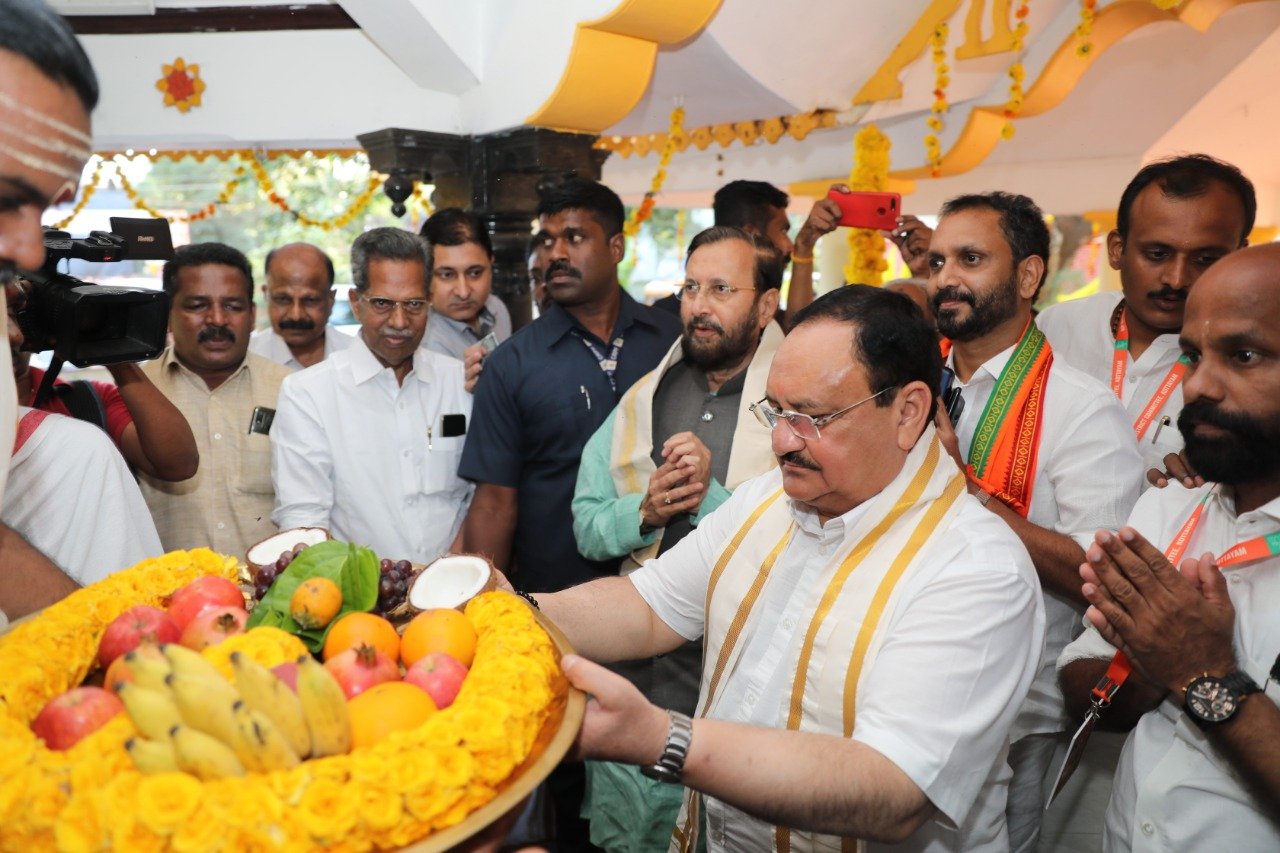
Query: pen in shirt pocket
column 1164, row 422
column 586, row 394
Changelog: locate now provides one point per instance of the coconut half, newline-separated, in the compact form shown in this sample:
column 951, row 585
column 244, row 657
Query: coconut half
column 266, row 552
column 451, row 582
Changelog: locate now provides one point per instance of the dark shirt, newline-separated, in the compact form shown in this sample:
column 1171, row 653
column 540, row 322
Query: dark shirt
column 541, row 396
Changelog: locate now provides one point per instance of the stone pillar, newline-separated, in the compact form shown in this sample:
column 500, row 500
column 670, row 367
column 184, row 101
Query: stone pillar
column 497, row 176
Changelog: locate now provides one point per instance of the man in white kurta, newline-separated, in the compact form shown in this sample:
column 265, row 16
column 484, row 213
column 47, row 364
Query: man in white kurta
column 871, row 631
column 71, row 495
column 1176, row 218
column 1185, row 783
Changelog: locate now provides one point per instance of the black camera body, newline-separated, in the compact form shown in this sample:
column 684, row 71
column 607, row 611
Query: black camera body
column 87, row 323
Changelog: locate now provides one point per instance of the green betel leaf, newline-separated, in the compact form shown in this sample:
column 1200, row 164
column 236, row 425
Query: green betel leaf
column 352, row 567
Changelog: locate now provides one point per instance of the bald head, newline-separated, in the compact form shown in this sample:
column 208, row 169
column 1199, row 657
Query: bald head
column 299, row 291
column 1231, row 333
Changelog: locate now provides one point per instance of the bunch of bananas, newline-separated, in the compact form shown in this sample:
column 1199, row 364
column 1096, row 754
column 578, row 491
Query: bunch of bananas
column 192, row 720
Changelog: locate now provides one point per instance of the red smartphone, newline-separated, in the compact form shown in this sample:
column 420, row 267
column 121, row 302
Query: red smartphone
column 868, row 209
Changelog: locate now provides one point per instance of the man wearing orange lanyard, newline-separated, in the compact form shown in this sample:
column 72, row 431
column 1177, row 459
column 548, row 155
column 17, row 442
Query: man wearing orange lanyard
column 1176, row 218
column 1202, row 641
column 1045, row 447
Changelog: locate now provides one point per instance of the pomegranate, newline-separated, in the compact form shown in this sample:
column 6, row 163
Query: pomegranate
column 288, row 673
column 132, row 628
column 213, row 625
column 363, row 667
column 440, row 675
column 207, row 591
column 73, row 715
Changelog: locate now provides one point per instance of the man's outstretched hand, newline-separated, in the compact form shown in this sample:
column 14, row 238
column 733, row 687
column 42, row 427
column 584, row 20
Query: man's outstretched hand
column 620, row 724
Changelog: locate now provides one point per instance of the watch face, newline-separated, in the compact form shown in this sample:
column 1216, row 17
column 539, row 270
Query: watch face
column 1211, row 700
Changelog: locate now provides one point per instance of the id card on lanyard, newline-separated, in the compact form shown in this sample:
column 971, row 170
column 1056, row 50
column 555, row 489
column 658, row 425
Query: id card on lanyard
column 1120, row 365
column 1120, row 668
column 608, row 361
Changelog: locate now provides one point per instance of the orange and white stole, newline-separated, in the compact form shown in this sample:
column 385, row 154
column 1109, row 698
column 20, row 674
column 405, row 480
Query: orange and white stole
column 848, row 608
column 1006, row 443
column 631, row 451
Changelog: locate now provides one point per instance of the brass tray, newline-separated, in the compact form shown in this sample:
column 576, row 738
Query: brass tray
column 557, row 736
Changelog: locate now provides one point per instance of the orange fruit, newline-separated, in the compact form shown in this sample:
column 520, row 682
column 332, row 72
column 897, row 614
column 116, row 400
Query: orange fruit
column 385, row 708
column 440, row 630
column 357, row 629
column 315, row 602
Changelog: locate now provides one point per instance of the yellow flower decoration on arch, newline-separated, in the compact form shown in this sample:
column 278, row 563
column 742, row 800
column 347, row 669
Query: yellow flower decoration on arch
column 181, row 85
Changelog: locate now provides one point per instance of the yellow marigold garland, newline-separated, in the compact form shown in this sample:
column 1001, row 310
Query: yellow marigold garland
column 1084, row 30
column 870, row 172
column 674, row 138
column 85, row 195
column 1017, row 72
column 342, row 220
column 941, row 79
column 228, row 190
column 90, row 797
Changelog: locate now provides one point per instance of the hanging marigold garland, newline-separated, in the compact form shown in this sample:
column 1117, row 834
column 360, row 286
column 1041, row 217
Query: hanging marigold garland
column 674, row 138
column 1017, row 72
column 941, row 78
column 85, row 194
column 870, row 173
column 228, row 190
column 342, row 220
column 1084, row 30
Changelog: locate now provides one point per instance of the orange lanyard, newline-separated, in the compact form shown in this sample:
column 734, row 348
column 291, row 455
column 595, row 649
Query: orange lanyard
column 1252, row 549
column 1120, row 363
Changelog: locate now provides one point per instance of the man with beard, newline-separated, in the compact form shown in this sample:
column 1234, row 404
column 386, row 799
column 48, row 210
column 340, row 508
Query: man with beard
column 1045, row 447
column 226, row 393
column 367, row 443
column 677, row 444
column 1201, row 635
column 1176, row 218
column 300, row 296
column 542, row 394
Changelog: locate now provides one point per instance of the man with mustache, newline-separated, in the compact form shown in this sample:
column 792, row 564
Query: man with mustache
column 670, row 453
column 464, row 310
column 870, row 630
column 1190, row 591
column 299, row 293
column 1045, row 447
column 542, row 394
column 1176, row 218
column 366, row 444
column 228, row 396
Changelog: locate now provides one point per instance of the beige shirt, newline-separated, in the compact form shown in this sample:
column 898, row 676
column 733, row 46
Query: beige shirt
column 227, row 505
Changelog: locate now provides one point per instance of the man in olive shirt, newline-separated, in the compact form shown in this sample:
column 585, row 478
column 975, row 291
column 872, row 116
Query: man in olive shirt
column 227, row 394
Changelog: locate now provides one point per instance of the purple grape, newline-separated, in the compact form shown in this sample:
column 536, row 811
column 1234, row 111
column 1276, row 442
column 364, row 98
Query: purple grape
column 403, row 566
column 384, row 566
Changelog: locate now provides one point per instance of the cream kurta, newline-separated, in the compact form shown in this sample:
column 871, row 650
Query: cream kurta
column 227, row 505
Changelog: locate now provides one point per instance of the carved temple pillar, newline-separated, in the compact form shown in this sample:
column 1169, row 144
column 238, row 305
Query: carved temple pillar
column 496, row 176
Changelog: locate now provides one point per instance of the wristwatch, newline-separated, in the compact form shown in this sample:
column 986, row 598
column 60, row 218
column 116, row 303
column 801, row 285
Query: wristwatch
column 670, row 764
column 1212, row 700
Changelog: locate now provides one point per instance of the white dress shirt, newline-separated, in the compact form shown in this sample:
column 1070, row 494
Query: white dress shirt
column 268, row 344
column 939, row 697
column 1088, row 477
column 366, row 457
column 1080, row 333
column 1173, row 789
column 72, row 497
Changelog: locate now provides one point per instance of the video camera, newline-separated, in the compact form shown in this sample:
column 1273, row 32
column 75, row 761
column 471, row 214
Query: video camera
column 86, row 323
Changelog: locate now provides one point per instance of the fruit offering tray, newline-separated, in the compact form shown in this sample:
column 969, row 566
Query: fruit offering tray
column 431, row 784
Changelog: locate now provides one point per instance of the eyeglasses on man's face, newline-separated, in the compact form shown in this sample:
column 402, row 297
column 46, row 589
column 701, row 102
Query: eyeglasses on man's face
column 383, row 306
column 803, row 426
column 719, row 291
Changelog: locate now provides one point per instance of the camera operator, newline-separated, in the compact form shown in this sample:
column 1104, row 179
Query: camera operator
column 148, row 430
column 47, row 88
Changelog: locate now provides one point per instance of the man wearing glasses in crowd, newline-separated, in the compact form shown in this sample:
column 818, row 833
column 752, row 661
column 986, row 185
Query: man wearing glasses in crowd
column 870, row 631
column 367, row 442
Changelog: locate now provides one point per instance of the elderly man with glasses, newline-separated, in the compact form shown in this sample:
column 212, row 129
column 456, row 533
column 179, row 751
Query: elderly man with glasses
column 870, row 630
column 367, row 442
column 679, row 440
